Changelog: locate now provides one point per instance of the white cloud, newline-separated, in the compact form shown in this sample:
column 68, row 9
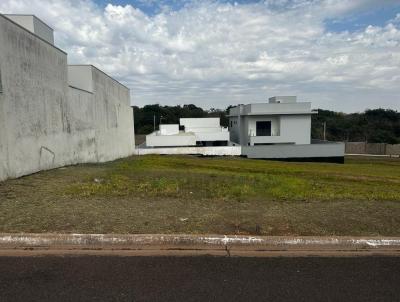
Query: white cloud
column 215, row 54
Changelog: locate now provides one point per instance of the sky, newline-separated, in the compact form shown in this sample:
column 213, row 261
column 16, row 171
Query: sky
column 342, row 55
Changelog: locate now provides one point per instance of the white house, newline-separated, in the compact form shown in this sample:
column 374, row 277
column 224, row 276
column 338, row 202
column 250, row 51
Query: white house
column 282, row 120
column 196, row 132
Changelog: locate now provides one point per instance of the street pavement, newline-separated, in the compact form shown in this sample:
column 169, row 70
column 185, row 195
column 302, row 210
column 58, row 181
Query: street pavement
column 199, row 278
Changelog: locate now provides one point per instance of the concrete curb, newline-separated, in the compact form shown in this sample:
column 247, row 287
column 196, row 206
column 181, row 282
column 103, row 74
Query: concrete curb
column 196, row 242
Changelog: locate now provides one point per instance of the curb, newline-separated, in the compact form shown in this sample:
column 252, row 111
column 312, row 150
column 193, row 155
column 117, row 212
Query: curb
column 199, row 243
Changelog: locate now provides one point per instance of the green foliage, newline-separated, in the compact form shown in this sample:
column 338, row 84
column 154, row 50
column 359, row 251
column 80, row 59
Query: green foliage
column 373, row 126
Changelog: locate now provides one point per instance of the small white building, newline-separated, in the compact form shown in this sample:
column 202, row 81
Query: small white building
column 195, row 132
column 282, row 120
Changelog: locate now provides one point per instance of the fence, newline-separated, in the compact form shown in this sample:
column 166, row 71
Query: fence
column 372, row 148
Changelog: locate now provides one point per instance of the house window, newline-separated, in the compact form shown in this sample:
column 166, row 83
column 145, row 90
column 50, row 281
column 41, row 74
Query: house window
column 231, row 124
column 263, row 128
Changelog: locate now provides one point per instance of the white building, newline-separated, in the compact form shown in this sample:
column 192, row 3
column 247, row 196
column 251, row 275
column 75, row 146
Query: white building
column 195, row 132
column 282, row 120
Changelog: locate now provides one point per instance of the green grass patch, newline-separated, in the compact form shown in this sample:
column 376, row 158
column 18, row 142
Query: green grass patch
column 186, row 194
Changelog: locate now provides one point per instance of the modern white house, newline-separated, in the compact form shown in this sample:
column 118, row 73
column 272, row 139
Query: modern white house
column 195, row 132
column 280, row 129
column 282, row 120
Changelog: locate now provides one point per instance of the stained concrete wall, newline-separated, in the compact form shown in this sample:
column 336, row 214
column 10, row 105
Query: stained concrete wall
column 44, row 123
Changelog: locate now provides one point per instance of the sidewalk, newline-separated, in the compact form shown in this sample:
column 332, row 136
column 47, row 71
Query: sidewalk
column 126, row 244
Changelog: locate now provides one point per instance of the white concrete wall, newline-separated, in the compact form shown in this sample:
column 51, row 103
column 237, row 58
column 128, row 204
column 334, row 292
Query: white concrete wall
column 207, row 122
column 212, row 136
column 296, row 128
column 169, row 129
column 205, row 129
column 46, row 124
column 183, row 139
column 207, row 151
column 81, row 76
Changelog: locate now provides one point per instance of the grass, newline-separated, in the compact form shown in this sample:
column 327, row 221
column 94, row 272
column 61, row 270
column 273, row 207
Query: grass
column 185, row 194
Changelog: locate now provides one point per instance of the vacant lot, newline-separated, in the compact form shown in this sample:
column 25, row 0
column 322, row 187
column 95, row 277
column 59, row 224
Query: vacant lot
column 185, row 194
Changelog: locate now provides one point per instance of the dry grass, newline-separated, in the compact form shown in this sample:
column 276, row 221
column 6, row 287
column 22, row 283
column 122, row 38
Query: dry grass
column 184, row 194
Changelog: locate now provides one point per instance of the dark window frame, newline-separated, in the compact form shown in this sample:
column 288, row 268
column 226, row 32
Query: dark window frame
column 263, row 128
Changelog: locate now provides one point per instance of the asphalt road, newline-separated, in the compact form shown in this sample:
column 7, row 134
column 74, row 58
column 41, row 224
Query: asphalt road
column 205, row 278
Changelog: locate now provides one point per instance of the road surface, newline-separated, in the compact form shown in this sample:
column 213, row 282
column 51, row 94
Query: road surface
column 201, row 278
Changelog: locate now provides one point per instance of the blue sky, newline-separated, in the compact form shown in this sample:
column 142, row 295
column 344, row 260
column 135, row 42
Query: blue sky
column 339, row 54
column 361, row 19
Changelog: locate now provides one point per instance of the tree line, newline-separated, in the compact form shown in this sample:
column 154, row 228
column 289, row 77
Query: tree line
column 372, row 125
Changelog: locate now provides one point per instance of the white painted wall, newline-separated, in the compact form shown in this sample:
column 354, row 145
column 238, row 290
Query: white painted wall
column 183, row 139
column 296, row 128
column 80, row 76
column 208, row 122
column 169, row 129
column 207, row 151
column 212, row 136
column 205, row 129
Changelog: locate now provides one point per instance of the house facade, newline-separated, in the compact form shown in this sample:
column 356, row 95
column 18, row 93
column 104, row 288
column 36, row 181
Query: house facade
column 282, row 120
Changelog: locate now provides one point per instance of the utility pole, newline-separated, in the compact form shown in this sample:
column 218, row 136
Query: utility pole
column 324, row 123
column 154, row 122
